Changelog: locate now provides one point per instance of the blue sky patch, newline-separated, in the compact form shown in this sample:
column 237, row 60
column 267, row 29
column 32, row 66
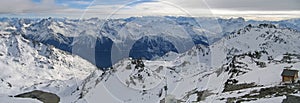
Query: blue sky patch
column 79, row 4
column 37, row 1
column 141, row 2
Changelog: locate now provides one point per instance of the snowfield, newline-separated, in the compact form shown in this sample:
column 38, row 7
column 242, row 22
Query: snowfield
column 28, row 66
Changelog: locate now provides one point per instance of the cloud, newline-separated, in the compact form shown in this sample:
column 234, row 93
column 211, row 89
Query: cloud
column 127, row 8
column 28, row 6
column 81, row 2
column 266, row 8
column 11, row 6
column 148, row 8
column 42, row 8
column 256, row 5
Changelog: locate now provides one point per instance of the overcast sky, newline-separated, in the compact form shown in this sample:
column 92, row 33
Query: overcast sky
column 126, row 8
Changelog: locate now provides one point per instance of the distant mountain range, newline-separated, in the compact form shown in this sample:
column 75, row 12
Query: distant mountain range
column 138, row 37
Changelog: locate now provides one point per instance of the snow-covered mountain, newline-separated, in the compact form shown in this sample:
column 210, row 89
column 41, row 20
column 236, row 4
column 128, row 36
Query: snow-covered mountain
column 192, row 59
column 64, row 34
column 120, row 35
column 136, row 80
column 29, row 65
column 181, row 32
column 241, row 67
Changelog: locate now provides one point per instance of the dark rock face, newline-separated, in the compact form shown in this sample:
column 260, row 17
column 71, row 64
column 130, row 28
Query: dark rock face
column 149, row 47
column 42, row 96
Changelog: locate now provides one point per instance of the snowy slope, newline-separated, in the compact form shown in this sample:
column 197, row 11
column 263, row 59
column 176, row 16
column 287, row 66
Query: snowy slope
column 6, row 99
column 29, row 65
column 205, row 73
column 128, row 81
